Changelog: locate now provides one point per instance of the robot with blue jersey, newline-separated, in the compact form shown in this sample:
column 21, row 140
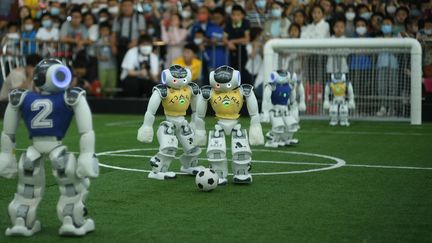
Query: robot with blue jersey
column 47, row 115
column 227, row 95
column 280, row 108
column 343, row 99
column 176, row 94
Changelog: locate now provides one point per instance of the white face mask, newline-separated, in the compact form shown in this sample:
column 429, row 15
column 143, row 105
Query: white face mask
column 350, row 16
column 113, row 10
column 228, row 10
column 198, row 41
column 428, row 31
column 95, row 11
column 150, row 31
column 13, row 35
column 102, row 19
column 391, row 9
column 186, row 14
column 28, row 27
column 84, row 10
column 361, row 30
column 146, row 49
column 103, row 5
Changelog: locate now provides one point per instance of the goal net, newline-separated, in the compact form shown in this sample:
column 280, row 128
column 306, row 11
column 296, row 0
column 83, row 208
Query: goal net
column 385, row 73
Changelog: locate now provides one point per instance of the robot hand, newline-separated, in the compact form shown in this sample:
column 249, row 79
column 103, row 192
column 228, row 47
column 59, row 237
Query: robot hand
column 8, row 165
column 200, row 138
column 326, row 105
column 88, row 166
column 265, row 117
column 302, row 106
column 256, row 136
column 145, row 134
column 351, row 104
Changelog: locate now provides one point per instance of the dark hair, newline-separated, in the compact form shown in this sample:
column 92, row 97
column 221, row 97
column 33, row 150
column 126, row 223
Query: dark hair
column 105, row 25
column 350, row 6
column 191, row 47
column 338, row 19
column 219, row 10
column 89, row 14
column 45, row 14
column 294, row 25
column 428, row 20
column 75, row 10
column 145, row 39
column 360, row 6
column 33, row 59
column 360, row 19
column 314, row 7
column 402, row 9
column 11, row 24
column 388, row 18
column 238, row 8
column 27, row 18
column 127, row 1
column 200, row 31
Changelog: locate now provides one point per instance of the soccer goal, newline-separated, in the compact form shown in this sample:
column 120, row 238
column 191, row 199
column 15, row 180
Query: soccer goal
column 385, row 73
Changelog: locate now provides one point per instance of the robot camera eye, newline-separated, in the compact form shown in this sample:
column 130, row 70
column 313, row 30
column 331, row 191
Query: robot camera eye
column 229, row 85
column 185, row 81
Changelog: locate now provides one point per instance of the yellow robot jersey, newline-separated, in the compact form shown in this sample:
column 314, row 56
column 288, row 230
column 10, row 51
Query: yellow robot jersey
column 177, row 101
column 227, row 105
column 338, row 89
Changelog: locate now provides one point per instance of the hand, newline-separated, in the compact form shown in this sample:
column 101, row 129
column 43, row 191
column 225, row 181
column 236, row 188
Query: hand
column 145, row 134
column 8, row 165
column 200, row 138
column 231, row 46
column 143, row 73
column 351, row 104
column 256, row 136
column 265, row 117
column 302, row 106
column 88, row 166
column 326, row 105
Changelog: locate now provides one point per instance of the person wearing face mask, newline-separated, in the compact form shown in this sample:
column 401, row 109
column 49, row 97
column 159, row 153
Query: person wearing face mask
column 277, row 25
column 255, row 12
column 375, row 24
column 47, row 34
column 388, row 72
column 174, row 37
column 12, row 39
column 140, row 69
column 187, row 16
column 363, row 11
column 28, row 37
column 350, row 16
column 113, row 7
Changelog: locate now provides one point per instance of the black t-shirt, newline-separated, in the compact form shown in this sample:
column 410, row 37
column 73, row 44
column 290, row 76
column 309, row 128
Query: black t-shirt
column 238, row 31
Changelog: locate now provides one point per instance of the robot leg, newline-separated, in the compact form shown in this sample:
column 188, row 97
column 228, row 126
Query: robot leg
column 189, row 158
column 291, row 126
column 343, row 114
column 242, row 156
column 334, row 107
column 278, row 128
column 71, row 210
column 168, row 145
column 31, row 186
column 216, row 154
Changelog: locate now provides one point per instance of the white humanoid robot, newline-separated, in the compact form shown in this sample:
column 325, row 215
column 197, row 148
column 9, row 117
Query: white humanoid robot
column 343, row 99
column 47, row 115
column 175, row 93
column 279, row 107
column 226, row 96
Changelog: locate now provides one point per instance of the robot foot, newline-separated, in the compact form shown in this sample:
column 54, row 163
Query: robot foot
column 293, row 141
column 162, row 175
column 68, row 228
column 242, row 179
column 271, row 144
column 222, row 181
column 19, row 229
column 333, row 123
column 192, row 170
column 344, row 123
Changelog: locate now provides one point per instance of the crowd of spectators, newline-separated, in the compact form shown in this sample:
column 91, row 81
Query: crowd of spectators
column 123, row 45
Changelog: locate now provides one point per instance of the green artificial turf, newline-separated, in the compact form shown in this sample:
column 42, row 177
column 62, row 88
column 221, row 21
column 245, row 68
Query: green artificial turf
column 373, row 198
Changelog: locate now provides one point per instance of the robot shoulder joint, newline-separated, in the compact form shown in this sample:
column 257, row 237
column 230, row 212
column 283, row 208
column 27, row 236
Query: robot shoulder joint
column 162, row 90
column 16, row 97
column 247, row 89
column 195, row 88
column 72, row 95
column 206, row 91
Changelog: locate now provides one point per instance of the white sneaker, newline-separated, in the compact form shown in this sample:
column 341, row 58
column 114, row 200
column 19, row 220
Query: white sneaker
column 20, row 229
column 161, row 175
column 68, row 227
column 222, row 181
column 242, row 179
column 192, row 170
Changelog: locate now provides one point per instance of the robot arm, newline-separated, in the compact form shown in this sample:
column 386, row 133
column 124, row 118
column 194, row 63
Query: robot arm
column 194, row 99
column 266, row 103
column 255, row 130
column 88, row 164
column 301, row 95
column 351, row 102
column 326, row 104
column 145, row 132
column 201, row 110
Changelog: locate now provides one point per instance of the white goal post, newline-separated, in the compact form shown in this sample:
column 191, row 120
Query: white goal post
column 409, row 50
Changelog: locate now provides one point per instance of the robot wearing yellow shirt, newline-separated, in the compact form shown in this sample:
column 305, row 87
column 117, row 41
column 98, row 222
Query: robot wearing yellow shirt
column 175, row 93
column 226, row 96
column 341, row 90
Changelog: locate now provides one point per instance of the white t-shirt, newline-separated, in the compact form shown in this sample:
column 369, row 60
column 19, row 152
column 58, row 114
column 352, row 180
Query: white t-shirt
column 132, row 60
column 45, row 35
column 316, row 31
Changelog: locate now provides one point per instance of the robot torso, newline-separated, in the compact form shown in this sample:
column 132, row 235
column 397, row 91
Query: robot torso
column 177, row 101
column 280, row 93
column 338, row 89
column 227, row 105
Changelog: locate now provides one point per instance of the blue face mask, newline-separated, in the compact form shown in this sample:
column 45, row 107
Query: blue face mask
column 386, row 29
column 276, row 13
column 147, row 8
column 47, row 23
column 55, row 11
column 366, row 15
column 260, row 4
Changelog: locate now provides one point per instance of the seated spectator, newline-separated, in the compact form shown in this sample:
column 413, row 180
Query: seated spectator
column 21, row 77
column 48, row 35
column 277, row 25
column 107, row 67
column 74, row 32
column 140, row 69
column 190, row 61
column 361, row 28
column 350, row 15
column 174, row 35
column 89, row 22
column 402, row 13
column 28, row 37
column 319, row 28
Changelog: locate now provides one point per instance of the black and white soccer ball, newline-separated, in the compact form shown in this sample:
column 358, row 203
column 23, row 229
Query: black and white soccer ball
column 206, row 180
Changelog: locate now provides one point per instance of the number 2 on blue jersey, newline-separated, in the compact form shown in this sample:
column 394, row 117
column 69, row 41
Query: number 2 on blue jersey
column 45, row 108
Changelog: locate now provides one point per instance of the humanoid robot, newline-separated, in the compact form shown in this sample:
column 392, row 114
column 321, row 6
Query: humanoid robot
column 280, row 108
column 227, row 95
column 47, row 114
column 343, row 99
column 175, row 93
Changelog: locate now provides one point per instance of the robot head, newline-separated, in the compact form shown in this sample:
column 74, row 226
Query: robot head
column 282, row 77
column 51, row 76
column 225, row 78
column 176, row 76
column 338, row 77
